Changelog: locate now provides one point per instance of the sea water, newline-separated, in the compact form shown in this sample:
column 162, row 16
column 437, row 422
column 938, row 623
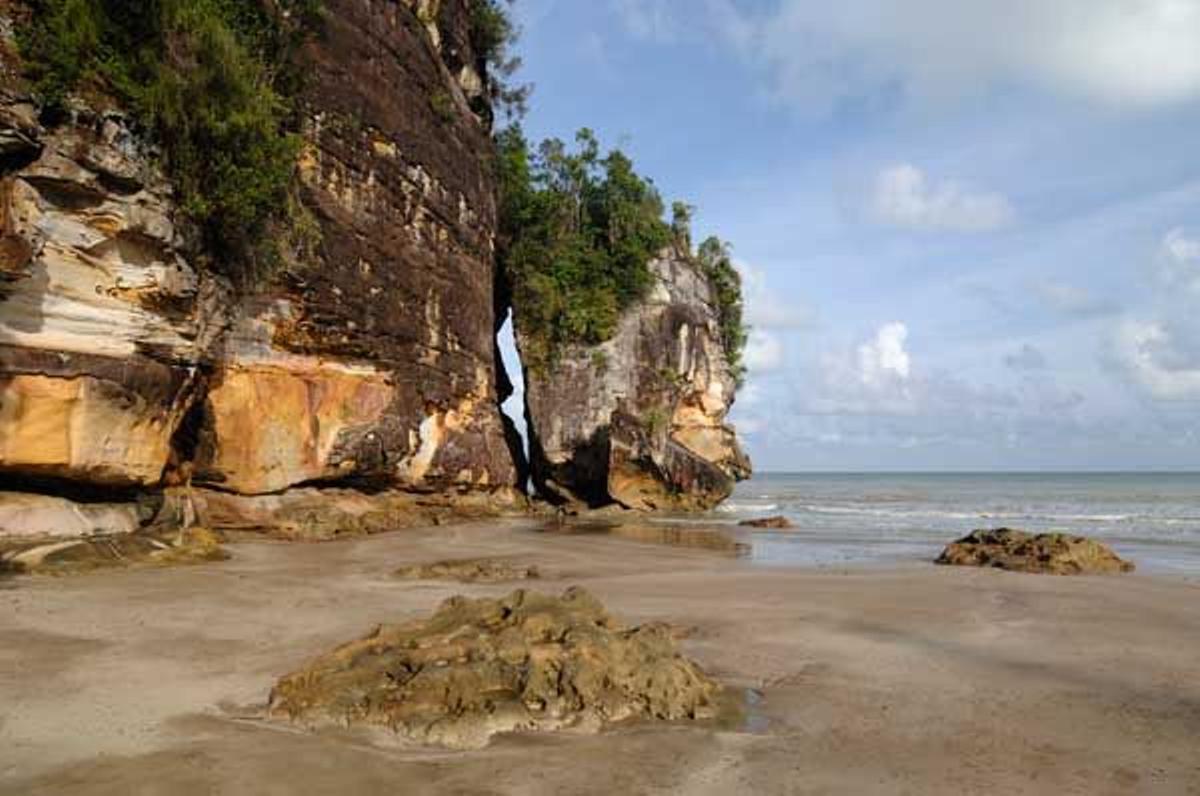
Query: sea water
column 1152, row 519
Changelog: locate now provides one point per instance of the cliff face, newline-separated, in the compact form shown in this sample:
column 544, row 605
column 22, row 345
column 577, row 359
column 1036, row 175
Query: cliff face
column 640, row 419
column 124, row 364
column 376, row 364
column 100, row 316
column 353, row 391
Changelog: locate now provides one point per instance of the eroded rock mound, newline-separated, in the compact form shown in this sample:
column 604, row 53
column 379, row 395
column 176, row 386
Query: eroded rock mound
column 527, row 661
column 470, row 570
column 768, row 522
column 1050, row 553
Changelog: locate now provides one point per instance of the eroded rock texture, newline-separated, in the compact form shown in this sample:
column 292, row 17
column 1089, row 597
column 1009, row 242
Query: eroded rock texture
column 475, row 668
column 640, row 420
column 1049, row 553
column 377, row 363
column 470, row 570
column 126, row 363
column 149, row 547
column 100, row 321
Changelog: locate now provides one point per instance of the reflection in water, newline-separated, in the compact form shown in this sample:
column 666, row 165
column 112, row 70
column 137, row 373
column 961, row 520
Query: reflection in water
column 699, row 537
column 741, row 710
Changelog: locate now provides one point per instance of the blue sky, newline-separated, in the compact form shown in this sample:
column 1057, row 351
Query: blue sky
column 969, row 229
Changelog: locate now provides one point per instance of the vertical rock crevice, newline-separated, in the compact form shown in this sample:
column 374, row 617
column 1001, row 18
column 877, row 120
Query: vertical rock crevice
column 502, row 313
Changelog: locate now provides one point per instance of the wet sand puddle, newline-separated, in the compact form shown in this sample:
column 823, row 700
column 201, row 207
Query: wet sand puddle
column 701, row 538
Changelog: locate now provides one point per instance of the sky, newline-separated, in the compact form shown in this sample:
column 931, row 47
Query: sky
column 969, row 230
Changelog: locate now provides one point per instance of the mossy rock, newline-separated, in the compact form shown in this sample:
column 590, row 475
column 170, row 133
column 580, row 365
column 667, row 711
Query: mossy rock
column 527, row 661
column 192, row 546
column 1047, row 553
column 470, row 570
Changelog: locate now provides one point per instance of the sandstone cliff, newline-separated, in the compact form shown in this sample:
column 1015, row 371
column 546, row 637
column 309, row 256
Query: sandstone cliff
column 358, row 387
column 128, row 367
column 376, row 363
column 640, row 419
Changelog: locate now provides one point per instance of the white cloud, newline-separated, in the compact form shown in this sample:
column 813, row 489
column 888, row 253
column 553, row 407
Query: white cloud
column 751, row 424
column 765, row 309
column 764, row 352
column 903, row 196
column 1180, row 261
column 874, row 377
column 1068, row 299
column 884, row 358
column 1158, row 361
column 1119, row 52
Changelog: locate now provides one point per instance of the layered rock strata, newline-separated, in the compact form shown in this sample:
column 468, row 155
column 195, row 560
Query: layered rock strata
column 125, row 364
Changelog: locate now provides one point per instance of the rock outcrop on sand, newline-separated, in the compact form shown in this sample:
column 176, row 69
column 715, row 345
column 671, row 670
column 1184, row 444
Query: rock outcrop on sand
column 639, row 420
column 475, row 668
column 161, row 548
column 470, row 570
column 768, row 522
column 1049, row 553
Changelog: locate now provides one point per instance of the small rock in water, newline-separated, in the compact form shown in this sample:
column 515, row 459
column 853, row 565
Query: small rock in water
column 475, row 668
column 778, row 521
column 1050, row 553
column 470, row 570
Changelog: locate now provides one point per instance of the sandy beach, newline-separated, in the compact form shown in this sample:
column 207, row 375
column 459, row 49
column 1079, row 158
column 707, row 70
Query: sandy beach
column 909, row 679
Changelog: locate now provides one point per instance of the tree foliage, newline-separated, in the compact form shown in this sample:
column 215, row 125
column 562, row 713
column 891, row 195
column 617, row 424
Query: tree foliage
column 212, row 79
column 493, row 36
column 578, row 230
column 726, row 285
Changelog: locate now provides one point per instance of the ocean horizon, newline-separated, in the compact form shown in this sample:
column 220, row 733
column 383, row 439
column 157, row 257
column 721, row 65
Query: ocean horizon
column 848, row 518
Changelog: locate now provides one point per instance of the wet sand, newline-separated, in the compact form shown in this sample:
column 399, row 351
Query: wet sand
column 912, row 679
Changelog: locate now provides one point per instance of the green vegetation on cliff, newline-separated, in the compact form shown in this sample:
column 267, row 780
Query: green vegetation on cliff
column 212, row 80
column 493, row 35
column 726, row 284
column 578, row 230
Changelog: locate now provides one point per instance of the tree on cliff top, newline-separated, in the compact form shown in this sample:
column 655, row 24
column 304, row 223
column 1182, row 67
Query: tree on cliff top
column 578, row 230
column 493, row 36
